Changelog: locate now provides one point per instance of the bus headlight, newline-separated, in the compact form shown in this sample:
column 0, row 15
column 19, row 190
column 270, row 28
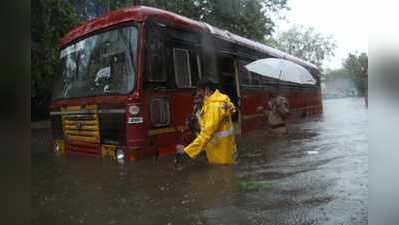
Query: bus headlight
column 119, row 154
column 134, row 110
column 56, row 147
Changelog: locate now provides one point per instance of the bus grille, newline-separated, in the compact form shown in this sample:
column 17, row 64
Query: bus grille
column 56, row 127
column 113, row 128
column 82, row 127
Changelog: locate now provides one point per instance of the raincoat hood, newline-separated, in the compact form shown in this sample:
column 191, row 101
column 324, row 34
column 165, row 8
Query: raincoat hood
column 217, row 96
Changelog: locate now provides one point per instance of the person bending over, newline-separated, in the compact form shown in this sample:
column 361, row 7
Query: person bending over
column 216, row 135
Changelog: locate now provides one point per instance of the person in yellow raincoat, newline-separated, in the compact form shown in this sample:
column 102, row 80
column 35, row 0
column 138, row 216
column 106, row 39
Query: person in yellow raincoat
column 216, row 135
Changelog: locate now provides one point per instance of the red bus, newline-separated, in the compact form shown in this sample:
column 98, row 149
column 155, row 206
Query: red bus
column 128, row 77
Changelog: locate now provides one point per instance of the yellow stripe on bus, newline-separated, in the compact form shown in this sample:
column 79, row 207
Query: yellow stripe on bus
column 83, row 127
column 166, row 130
column 78, row 108
column 84, row 139
column 82, row 133
column 77, row 117
column 82, row 122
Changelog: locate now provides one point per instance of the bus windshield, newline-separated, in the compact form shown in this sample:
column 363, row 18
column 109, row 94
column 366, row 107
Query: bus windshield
column 102, row 64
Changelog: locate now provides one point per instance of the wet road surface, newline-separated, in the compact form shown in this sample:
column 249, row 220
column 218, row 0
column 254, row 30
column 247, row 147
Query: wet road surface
column 318, row 174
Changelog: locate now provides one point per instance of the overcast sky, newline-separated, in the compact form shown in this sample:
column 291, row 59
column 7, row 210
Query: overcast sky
column 346, row 20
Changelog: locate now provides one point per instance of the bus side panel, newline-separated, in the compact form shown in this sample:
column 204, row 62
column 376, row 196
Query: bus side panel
column 253, row 106
column 163, row 139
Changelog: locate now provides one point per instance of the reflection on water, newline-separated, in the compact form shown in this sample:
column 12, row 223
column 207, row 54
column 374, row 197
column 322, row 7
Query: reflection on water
column 325, row 188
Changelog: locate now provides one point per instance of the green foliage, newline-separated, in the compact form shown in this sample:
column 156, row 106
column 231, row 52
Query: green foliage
column 307, row 44
column 51, row 19
column 337, row 73
column 248, row 18
column 89, row 9
column 357, row 66
column 243, row 17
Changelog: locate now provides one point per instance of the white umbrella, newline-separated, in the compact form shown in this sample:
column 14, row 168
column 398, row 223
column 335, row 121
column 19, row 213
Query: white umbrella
column 281, row 69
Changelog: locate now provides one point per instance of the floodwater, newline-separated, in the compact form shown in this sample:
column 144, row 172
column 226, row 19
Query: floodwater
column 318, row 174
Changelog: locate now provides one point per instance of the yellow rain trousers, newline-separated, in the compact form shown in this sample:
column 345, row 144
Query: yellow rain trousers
column 217, row 131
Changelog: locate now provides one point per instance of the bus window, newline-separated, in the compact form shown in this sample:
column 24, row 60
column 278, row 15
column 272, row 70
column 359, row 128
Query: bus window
column 256, row 79
column 181, row 61
column 209, row 57
column 195, row 63
column 245, row 75
column 156, row 55
column 227, row 80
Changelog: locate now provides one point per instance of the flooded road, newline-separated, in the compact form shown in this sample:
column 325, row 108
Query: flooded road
column 316, row 175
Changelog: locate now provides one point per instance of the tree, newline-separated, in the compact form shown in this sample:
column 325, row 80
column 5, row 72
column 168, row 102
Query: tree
column 354, row 69
column 51, row 19
column 357, row 66
column 90, row 9
column 249, row 18
column 338, row 82
column 307, row 44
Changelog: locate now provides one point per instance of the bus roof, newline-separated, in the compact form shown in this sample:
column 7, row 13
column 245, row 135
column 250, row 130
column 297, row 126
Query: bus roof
column 141, row 13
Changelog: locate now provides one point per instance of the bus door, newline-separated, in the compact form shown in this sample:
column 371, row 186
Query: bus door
column 237, row 83
column 228, row 75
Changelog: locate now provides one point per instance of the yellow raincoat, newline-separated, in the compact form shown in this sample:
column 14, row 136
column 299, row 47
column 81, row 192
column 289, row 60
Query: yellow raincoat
column 217, row 131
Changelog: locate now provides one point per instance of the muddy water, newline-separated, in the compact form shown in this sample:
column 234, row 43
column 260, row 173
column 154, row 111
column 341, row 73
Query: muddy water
column 318, row 174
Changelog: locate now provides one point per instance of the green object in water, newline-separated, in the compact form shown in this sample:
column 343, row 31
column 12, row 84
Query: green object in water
column 254, row 185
